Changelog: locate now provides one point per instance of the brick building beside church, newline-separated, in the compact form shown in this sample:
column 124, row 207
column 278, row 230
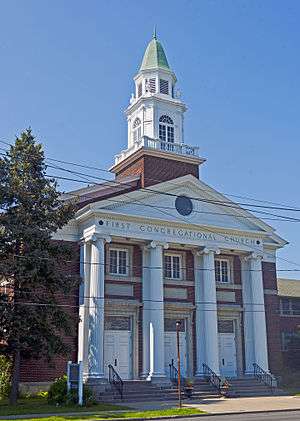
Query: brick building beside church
column 159, row 245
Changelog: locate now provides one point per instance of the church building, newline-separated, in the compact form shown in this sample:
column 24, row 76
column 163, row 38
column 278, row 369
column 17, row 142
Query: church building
column 160, row 248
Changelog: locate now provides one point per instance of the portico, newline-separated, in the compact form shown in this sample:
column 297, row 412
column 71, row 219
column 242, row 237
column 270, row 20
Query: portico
column 140, row 322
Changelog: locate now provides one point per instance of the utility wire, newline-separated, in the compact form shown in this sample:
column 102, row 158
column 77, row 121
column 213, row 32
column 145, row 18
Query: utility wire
column 153, row 191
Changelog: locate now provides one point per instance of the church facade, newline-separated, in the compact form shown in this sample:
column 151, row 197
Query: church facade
column 159, row 246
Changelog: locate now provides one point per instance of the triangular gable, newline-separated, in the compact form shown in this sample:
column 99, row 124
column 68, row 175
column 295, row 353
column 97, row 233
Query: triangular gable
column 207, row 206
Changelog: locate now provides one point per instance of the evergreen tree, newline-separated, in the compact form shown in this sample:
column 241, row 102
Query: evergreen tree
column 32, row 323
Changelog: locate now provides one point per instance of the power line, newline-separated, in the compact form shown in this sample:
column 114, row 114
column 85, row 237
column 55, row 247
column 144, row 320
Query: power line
column 222, row 203
column 187, row 268
column 215, row 202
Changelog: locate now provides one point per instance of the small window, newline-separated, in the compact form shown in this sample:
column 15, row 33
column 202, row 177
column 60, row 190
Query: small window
column 140, row 89
column 225, row 326
column 170, row 325
column 163, row 86
column 166, row 131
column 117, row 323
column 137, row 130
column 222, row 269
column 118, row 262
column 172, row 266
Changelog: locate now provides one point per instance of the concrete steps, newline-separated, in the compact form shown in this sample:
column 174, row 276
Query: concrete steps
column 250, row 386
column 143, row 391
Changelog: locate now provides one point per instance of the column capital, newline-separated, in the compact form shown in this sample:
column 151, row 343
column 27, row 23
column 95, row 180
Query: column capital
column 93, row 238
column 253, row 256
column 155, row 244
column 206, row 250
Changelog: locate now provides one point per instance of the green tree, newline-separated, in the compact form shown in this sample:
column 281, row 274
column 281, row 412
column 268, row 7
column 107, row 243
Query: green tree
column 32, row 322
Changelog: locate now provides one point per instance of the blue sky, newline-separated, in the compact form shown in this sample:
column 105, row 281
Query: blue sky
column 67, row 66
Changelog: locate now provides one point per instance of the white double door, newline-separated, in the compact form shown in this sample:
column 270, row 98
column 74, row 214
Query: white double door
column 227, row 354
column 171, row 352
column 118, row 352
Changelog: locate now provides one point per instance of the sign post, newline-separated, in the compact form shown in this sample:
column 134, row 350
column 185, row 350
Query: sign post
column 178, row 323
column 75, row 379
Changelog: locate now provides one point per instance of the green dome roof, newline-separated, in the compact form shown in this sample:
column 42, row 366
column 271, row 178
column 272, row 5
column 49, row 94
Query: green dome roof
column 154, row 56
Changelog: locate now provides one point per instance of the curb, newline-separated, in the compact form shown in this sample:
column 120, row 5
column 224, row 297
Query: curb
column 41, row 416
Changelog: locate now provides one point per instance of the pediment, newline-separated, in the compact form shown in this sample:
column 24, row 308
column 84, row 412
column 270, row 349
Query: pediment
column 209, row 209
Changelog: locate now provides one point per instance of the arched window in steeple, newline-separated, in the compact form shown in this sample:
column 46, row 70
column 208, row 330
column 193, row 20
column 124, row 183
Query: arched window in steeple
column 166, row 129
column 137, row 130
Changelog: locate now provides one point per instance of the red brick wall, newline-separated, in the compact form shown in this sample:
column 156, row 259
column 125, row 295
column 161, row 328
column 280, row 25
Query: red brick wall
column 40, row 370
column 154, row 170
column 273, row 333
column 269, row 275
column 272, row 317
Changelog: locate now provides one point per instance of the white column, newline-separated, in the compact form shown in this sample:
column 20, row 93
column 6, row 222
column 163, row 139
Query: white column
column 146, row 312
column 86, row 265
column 199, row 319
column 157, row 351
column 81, row 307
column 96, row 309
column 206, row 313
column 259, row 312
column 248, row 319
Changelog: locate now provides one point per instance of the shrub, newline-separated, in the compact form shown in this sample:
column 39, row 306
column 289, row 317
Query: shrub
column 5, row 376
column 58, row 394
column 58, row 391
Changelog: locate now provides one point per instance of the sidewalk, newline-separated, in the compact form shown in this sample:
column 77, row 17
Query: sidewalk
column 211, row 406
column 226, row 406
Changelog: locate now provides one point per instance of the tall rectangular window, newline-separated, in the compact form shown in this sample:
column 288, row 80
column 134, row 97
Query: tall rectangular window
column 222, row 270
column 118, row 262
column 172, row 266
column 163, row 86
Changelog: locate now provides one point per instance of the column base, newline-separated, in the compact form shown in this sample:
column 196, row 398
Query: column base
column 160, row 379
column 199, row 374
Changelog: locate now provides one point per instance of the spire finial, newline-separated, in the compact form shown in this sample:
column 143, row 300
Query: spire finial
column 154, row 33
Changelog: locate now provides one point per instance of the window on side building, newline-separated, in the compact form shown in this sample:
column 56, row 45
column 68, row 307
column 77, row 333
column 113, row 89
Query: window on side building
column 118, row 261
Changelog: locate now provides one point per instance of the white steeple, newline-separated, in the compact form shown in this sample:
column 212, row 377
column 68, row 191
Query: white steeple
column 155, row 109
column 155, row 114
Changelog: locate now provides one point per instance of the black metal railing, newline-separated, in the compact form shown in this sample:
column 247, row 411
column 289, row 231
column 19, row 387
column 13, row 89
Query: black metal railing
column 174, row 375
column 115, row 380
column 222, row 385
column 264, row 377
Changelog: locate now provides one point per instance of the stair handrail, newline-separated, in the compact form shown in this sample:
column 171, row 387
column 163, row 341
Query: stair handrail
column 115, row 380
column 264, row 377
column 174, row 374
column 214, row 379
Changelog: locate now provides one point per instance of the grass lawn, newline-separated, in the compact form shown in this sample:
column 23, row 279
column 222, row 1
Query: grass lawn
column 39, row 405
column 126, row 415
